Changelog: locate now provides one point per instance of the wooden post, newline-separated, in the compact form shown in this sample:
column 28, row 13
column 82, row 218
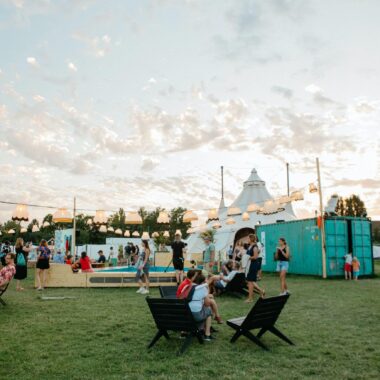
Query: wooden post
column 73, row 240
column 287, row 177
column 324, row 275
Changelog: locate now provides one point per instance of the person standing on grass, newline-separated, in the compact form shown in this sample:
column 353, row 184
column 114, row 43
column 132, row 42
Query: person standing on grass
column 43, row 258
column 178, row 247
column 252, row 268
column 143, row 266
column 282, row 257
column 8, row 271
column 21, row 262
column 209, row 255
column 355, row 268
column 347, row 266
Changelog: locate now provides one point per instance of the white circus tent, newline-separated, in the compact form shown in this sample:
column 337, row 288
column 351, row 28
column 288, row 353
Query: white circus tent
column 253, row 194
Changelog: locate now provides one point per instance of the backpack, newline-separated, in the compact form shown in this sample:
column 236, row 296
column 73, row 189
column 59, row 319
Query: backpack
column 21, row 259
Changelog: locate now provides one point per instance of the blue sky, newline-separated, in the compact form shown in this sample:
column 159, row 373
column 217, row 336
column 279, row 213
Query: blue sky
column 138, row 103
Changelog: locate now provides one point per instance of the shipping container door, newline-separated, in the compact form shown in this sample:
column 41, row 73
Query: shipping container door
column 336, row 246
column 362, row 245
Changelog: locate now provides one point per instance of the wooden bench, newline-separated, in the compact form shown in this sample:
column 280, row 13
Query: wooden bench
column 2, row 291
column 263, row 316
column 173, row 315
column 168, row 291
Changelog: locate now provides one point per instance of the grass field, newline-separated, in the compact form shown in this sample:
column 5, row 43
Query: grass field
column 103, row 334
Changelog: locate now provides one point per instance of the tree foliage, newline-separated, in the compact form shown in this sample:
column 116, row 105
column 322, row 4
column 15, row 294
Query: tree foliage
column 89, row 234
column 351, row 206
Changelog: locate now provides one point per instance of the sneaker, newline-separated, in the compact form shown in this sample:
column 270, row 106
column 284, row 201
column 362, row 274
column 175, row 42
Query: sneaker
column 283, row 294
column 208, row 338
column 139, row 290
column 183, row 335
column 145, row 291
column 40, row 288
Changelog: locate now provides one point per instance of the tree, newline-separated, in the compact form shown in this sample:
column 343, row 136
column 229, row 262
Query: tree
column 351, row 206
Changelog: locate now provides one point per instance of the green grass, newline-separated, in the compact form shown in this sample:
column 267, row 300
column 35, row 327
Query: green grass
column 103, row 334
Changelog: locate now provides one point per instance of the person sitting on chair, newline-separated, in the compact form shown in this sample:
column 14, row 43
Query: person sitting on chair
column 8, row 271
column 185, row 286
column 84, row 262
column 201, row 312
column 218, row 283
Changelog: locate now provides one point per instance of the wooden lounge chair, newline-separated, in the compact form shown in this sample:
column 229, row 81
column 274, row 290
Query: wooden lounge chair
column 173, row 315
column 238, row 285
column 168, row 291
column 263, row 316
column 2, row 291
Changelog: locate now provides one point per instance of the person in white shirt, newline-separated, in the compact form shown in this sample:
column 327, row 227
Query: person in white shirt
column 347, row 266
column 200, row 311
column 218, row 283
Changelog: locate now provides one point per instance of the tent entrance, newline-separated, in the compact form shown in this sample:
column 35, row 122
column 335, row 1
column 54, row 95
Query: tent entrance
column 242, row 235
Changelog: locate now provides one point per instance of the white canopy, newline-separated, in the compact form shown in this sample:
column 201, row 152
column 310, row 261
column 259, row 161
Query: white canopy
column 254, row 191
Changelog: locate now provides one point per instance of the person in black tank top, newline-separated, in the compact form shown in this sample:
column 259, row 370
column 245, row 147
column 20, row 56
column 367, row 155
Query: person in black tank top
column 253, row 268
column 282, row 256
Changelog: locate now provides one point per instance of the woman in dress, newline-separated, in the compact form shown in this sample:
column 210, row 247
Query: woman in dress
column 143, row 268
column 253, row 268
column 282, row 256
column 21, row 262
column 43, row 258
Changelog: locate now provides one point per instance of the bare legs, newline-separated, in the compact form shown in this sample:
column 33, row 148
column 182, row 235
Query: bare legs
column 208, row 326
column 209, row 301
column 251, row 287
column 347, row 275
column 141, row 284
column 179, row 276
column 41, row 278
column 283, row 285
column 18, row 285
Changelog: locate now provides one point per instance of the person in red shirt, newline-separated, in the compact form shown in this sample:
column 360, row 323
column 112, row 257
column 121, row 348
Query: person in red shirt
column 185, row 286
column 8, row 271
column 85, row 263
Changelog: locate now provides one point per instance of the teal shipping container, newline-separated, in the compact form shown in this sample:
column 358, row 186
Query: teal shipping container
column 343, row 235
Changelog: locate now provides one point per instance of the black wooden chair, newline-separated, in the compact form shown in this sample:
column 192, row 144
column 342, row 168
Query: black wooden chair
column 168, row 291
column 2, row 291
column 238, row 285
column 173, row 315
column 263, row 316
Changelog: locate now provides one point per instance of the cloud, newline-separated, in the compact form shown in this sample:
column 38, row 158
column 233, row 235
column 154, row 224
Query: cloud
column 149, row 163
column 72, row 67
column 32, row 61
column 303, row 133
column 367, row 183
column 98, row 46
column 283, row 91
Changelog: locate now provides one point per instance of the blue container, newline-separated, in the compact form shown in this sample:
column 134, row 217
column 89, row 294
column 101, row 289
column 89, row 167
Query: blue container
column 343, row 235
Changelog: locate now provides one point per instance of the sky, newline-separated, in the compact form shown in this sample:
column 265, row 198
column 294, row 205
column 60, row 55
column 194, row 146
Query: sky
column 139, row 103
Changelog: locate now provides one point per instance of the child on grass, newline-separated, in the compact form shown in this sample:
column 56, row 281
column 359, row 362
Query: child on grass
column 355, row 268
column 347, row 266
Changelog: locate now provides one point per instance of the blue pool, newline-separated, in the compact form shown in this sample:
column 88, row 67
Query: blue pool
column 133, row 269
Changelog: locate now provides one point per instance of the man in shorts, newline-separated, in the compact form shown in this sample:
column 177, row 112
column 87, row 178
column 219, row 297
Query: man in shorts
column 209, row 255
column 178, row 247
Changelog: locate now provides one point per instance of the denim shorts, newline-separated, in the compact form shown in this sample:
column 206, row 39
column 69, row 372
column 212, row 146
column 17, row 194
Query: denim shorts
column 144, row 270
column 202, row 315
column 356, row 273
column 282, row 265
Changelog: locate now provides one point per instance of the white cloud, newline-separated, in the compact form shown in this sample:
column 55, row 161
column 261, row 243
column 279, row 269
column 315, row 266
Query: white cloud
column 149, row 163
column 32, row 61
column 38, row 98
column 72, row 67
column 313, row 88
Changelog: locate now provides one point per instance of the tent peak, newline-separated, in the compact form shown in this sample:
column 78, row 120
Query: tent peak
column 254, row 179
